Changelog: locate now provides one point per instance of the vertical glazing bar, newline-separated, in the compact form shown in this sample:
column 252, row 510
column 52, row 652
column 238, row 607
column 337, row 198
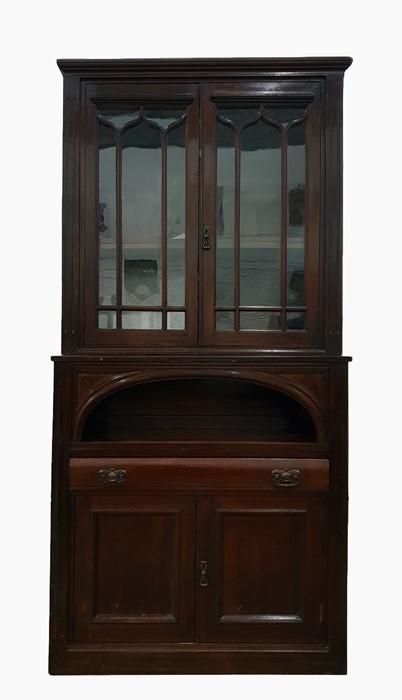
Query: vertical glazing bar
column 284, row 227
column 119, row 247
column 236, row 242
column 164, row 229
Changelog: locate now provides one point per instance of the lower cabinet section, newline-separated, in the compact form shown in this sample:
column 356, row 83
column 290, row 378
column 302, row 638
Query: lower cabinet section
column 199, row 565
column 199, row 568
column 191, row 546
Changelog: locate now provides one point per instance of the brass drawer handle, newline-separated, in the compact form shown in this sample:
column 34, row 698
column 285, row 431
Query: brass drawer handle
column 112, row 476
column 285, row 477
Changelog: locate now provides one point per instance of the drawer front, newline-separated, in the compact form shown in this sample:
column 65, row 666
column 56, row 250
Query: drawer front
column 274, row 474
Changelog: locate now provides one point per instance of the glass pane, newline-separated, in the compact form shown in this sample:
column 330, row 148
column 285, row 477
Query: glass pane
column 141, row 215
column 107, row 214
column 164, row 117
column 141, row 282
column 259, row 320
column 285, row 116
column 106, row 319
column 296, row 160
column 295, row 321
column 239, row 116
column 225, row 196
column 144, row 320
column 295, row 288
column 176, row 320
column 107, row 276
column 224, row 320
column 119, row 117
column 176, row 215
column 260, row 215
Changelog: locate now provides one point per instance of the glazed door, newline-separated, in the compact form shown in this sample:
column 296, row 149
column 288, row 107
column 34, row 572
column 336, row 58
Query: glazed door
column 140, row 189
column 134, row 568
column 261, row 215
column 261, row 569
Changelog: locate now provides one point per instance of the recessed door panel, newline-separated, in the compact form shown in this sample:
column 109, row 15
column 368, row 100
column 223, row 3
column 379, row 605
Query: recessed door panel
column 134, row 568
column 264, row 563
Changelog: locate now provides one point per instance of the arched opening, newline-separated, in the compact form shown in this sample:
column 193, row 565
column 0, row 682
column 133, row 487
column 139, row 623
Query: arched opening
column 198, row 409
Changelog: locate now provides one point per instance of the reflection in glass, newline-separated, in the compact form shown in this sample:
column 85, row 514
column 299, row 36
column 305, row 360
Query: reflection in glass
column 118, row 117
column 259, row 320
column 164, row 117
column 224, row 320
column 239, row 116
column 106, row 319
column 107, row 275
column 296, row 171
column 141, row 215
column 141, row 320
column 176, row 215
column 295, row 321
column 260, row 215
column 285, row 116
column 225, row 213
column 107, row 214
column 176, row 320
column 295, row 288
column 141, row 282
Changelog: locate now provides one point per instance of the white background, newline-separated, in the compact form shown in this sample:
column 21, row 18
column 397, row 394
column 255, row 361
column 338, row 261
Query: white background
column 34, row 35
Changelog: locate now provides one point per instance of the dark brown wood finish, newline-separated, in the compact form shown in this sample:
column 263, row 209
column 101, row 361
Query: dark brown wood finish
column 72, row 215
column 124, row 97
column 275, row 93
column 134, row 568
column 265, row 562
column 333, row 213
column 199, row 483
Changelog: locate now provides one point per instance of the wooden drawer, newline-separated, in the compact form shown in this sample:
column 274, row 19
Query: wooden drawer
column 131, row 473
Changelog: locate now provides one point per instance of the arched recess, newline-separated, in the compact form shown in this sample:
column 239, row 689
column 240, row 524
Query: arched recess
column 199, row 406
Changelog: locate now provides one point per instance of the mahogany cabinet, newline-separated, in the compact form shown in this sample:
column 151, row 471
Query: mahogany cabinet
column 199, row 486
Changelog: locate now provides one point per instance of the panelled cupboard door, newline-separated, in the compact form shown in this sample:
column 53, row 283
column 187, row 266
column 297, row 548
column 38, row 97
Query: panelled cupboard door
column 262, row 569
column 258, row 577
column 134, row 568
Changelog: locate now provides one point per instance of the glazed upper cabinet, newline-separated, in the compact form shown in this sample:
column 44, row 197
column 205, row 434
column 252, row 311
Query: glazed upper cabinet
column 202, row 215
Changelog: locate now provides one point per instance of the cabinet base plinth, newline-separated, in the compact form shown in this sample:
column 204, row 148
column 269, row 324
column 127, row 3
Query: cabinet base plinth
column 193, row 659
